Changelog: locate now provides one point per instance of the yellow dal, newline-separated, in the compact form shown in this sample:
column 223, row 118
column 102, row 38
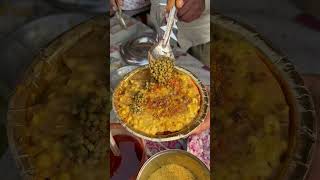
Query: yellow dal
column 166, row 108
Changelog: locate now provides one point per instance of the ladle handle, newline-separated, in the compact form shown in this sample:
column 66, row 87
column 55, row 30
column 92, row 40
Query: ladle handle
column 166, row 36
column 120, row 17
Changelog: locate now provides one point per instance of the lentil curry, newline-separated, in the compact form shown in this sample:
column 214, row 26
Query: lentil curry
column 154, row 108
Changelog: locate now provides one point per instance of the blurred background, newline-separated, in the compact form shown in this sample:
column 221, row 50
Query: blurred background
column 293, row 26
column 27, row 26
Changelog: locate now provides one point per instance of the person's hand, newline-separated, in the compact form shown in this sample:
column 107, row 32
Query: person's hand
column 188, row 10
column 203, row 126
column 171, row 3
column 206, row 123
column 116, row 3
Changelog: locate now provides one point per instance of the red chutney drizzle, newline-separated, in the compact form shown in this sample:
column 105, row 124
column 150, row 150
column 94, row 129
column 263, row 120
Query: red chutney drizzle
column 128, row 164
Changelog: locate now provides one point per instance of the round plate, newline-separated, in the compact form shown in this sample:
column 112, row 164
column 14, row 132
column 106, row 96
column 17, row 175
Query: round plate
column 117, row 75
column 186, row 131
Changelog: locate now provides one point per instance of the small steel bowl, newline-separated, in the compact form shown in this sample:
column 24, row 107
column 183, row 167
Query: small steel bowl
column 176, row 156
column 135, row 51
column 186, row 131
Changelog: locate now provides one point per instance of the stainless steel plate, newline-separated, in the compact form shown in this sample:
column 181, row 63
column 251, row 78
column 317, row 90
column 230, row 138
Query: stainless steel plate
column 186, row 131
column 117, row 75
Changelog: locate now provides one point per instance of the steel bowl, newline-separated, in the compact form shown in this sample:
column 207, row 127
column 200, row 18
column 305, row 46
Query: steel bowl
column 135, row 51
column 179, row 157
column 186, row 131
